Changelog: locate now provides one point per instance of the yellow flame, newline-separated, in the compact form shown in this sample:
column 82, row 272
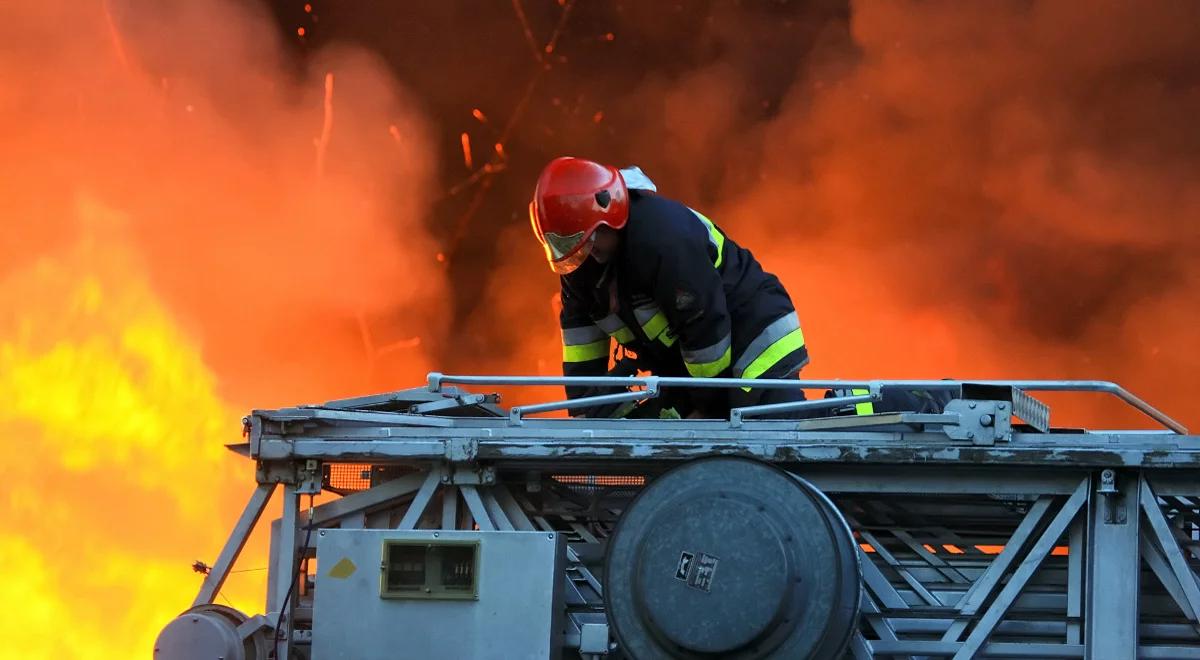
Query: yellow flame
column 115, row 466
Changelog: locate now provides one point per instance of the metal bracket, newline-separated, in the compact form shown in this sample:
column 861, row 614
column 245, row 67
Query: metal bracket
column 461, row 450
column 593, row 640
column 1024, row 406
column 305, row 475
column 980, row 422
column 463, row 476
column 1111, row 497
column 308, row 477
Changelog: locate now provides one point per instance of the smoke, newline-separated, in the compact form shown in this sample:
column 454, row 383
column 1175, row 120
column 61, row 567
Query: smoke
column 947, row 189
column 1019, row 172
column 193, row 226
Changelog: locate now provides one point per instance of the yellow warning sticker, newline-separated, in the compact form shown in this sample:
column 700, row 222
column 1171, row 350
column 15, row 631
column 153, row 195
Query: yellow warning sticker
column 343, row 569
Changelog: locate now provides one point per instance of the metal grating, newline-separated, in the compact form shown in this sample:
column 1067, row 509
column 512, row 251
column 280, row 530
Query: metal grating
column 348, row 477
column 600, row 480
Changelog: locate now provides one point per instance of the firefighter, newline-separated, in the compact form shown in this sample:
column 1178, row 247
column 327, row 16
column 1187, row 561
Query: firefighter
column 667, row 284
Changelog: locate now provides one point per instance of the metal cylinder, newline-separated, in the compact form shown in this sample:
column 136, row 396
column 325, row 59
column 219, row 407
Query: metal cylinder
column 732, row 558
column 210, row 631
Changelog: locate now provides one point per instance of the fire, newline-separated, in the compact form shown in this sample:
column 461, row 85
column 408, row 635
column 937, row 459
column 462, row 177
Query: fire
column 120, row 470
column 188, row 235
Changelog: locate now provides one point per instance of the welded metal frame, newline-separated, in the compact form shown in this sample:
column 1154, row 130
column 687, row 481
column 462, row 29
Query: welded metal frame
column 1124, row 503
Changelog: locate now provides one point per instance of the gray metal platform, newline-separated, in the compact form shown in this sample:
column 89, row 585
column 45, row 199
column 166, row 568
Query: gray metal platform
column 984, row 531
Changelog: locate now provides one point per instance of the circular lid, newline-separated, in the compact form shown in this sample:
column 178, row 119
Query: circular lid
column 713, row 574
column 733, row 558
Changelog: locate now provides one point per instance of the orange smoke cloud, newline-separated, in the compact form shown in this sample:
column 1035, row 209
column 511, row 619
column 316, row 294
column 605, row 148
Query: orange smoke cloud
column 977, row 190
column 994, row 190
column 191, row 229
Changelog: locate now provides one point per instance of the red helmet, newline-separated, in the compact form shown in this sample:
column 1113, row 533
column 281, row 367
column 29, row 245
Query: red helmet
column 573, row 197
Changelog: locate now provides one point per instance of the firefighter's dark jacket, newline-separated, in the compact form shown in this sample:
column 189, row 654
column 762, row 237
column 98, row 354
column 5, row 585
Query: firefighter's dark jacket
column 683, row 297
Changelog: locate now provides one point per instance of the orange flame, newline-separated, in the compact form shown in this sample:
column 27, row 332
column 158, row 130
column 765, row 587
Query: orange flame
column 168, row 263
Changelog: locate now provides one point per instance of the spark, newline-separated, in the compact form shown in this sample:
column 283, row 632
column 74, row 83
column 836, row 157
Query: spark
column 598, row 117
column 466, row 148
column 529, row 38
column 300, row 31
column 478, row 114
column 307, row 8
column 394, row 132
column 322, row 143
column 609, row 36
column 499, row 147
column 441, row 258
column 115, row 35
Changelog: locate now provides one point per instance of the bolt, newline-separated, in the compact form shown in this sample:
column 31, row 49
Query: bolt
column 445, row 479
column 1108, row 475
column 322, row 532
column 985, row 420
column 971, row 405
column 551, row 537
column 435, row 535
column 1003, row 406
column 970, row 435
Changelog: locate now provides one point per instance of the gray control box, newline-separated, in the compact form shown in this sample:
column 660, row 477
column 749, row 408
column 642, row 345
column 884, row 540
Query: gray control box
column 437, row 594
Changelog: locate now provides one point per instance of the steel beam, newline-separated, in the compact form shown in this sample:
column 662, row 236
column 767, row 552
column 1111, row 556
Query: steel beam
column 1160, row 529
column 982, row 589
column 233, row 545
column 478, row 510
column 420, row 501
column 334, row 512
column 1113, row 572
column 1039, row 551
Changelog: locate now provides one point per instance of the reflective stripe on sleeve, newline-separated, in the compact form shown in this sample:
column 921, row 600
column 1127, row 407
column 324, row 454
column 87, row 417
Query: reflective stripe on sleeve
column 652, row 320
column 708, row 354
column 714, row 236
column 792, row 341
column 754, row 360
column 584, row 335
column 709, row 369
column 586, row 352
column 616, row 328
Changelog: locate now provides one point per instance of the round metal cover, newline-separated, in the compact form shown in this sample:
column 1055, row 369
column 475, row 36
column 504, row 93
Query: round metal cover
column 731, row 558
column 206, row 632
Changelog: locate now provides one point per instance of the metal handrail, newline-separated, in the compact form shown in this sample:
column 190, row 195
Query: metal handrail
column 654, row 384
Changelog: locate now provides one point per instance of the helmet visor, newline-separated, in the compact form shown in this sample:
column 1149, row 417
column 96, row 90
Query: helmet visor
column 570, row 261
column 564, row 253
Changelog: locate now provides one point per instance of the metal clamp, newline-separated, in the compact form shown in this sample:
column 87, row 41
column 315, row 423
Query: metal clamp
column 980, row 422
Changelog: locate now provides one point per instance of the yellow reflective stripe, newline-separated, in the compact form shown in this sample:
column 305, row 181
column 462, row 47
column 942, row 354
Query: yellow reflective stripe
column 667, row 339
column 867, row 408
column 714, row 235
column 655, row 326
column 774, row 353
column 710, row 369
column 623, row 335
column 586, row 352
